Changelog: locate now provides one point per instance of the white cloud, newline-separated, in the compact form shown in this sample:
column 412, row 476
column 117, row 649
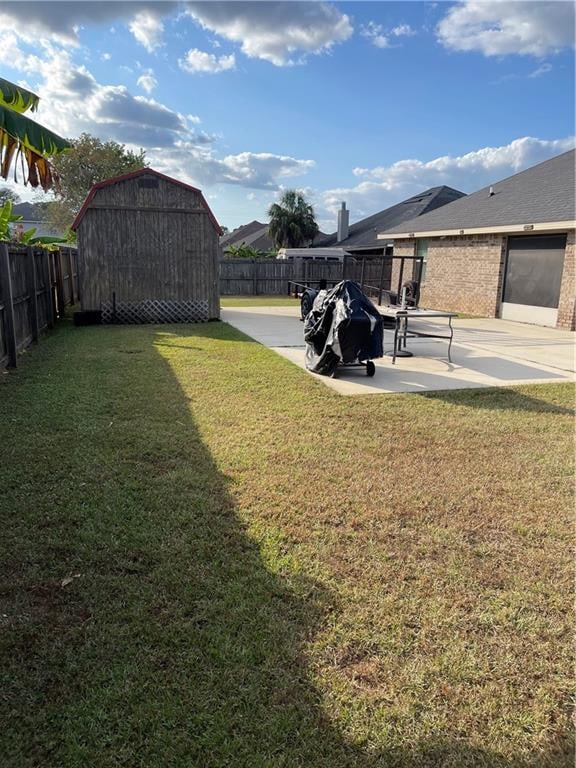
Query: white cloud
column 59, row 22
column 147, row 81
column 380, row 37
column 500, row 27
column 383, row 186
column 106, row 56
column 282, row 33
column 201, row 61
column 199, row 165
column 147, row 28
column 543, row 69
column 73, row 101
column 402, row 30
column 375, row 33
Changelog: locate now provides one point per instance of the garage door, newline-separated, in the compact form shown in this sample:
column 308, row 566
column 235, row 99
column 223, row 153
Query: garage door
column 532, row 281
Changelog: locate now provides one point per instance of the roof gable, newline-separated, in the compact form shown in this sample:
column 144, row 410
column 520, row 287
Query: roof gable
column 135, row 175
column 240, row 234
column 365, row 232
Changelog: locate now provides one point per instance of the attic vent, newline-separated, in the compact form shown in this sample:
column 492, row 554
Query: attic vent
column 148, row 182
column 418, row 198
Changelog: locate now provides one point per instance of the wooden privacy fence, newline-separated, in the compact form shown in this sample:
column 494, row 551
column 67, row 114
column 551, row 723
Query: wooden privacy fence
column 35, row 287
column 269, row 277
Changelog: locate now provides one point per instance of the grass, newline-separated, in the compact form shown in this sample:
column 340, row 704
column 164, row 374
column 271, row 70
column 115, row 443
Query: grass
column 209, row 559
column 259, row 301
column 283, row 301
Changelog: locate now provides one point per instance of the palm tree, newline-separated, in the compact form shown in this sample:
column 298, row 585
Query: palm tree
column 292, row 222
column 22, row 141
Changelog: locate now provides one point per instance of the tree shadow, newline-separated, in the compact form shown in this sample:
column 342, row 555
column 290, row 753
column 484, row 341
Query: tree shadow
column 499, row 399
column 177, row 645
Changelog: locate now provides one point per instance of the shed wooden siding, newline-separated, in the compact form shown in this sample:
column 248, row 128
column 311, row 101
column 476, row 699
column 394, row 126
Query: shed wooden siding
column 139, row 243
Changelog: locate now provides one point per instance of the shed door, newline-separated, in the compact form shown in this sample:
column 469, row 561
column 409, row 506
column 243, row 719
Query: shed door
column 532, row 281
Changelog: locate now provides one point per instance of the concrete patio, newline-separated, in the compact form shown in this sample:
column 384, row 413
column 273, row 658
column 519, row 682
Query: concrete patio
column 485, row 353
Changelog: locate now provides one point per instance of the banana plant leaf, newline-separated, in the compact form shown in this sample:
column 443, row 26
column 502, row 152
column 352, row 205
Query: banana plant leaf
column 17, row 98
column 23, row 142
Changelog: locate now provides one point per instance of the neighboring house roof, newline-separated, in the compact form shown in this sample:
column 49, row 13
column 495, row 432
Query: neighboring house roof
column 543, row 194
column 365, row 232
column 135, row 175
column 33, row 218
column 254, row 234
column 241, row 232
column 28, row 211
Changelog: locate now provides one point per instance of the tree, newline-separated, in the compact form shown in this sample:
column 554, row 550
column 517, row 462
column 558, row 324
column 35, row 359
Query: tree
column 6, row 193
column 89, row 160
column 244, row 251
column 24, row 143
column 292, row 221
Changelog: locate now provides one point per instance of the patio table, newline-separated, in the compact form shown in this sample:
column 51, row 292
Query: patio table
column 402, row 330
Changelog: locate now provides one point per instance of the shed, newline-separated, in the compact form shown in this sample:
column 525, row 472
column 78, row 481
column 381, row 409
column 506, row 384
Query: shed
column 148, row 251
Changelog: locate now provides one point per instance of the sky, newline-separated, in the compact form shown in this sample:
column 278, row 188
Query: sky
column 363, row 102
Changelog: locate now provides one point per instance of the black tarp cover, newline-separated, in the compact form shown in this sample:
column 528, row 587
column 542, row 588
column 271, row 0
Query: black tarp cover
column 343, row 327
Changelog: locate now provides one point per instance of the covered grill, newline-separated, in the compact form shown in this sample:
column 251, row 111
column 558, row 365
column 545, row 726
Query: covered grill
column 343, row 328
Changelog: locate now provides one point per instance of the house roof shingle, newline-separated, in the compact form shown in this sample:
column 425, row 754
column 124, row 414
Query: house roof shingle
column 543, row 193
column 240, row 234
column 365, row 232
column 254, row 234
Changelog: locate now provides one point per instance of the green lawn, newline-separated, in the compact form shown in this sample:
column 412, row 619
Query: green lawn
column 259, row 301
column 210, row 559
column 278, row 301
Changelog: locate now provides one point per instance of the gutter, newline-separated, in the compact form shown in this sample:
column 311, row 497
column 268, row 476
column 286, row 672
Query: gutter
column 544, row 226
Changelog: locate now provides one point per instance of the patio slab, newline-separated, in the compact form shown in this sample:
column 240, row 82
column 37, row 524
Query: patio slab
column 485, row 353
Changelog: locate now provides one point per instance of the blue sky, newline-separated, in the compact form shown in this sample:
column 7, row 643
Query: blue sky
column 364, row 102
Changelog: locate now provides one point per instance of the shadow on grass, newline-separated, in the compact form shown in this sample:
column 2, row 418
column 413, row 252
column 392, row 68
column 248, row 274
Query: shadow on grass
column 498, row 399
column 174, row 644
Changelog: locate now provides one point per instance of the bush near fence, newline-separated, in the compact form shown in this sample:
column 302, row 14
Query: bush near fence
column 36, row 285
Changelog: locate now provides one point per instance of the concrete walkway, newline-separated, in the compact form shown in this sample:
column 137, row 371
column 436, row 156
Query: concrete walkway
column 485, row 353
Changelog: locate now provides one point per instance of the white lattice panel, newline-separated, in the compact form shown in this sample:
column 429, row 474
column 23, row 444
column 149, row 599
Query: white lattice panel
column 155, row 311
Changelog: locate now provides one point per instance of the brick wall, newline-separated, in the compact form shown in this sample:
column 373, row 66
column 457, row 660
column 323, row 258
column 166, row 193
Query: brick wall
column 567, row 304
column 463, row 274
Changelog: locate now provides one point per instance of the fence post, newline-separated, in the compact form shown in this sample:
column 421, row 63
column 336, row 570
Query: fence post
column 381, row 284
column 50, row 308
column 71, row 276
column 254, row 278
column 8, row 301
column 400, row 276
column 58, row 273
column 32, row 282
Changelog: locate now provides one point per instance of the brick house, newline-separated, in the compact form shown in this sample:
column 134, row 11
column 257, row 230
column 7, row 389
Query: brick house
column 505, row 251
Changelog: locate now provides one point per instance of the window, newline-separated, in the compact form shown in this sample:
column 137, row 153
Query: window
column 422, row 253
